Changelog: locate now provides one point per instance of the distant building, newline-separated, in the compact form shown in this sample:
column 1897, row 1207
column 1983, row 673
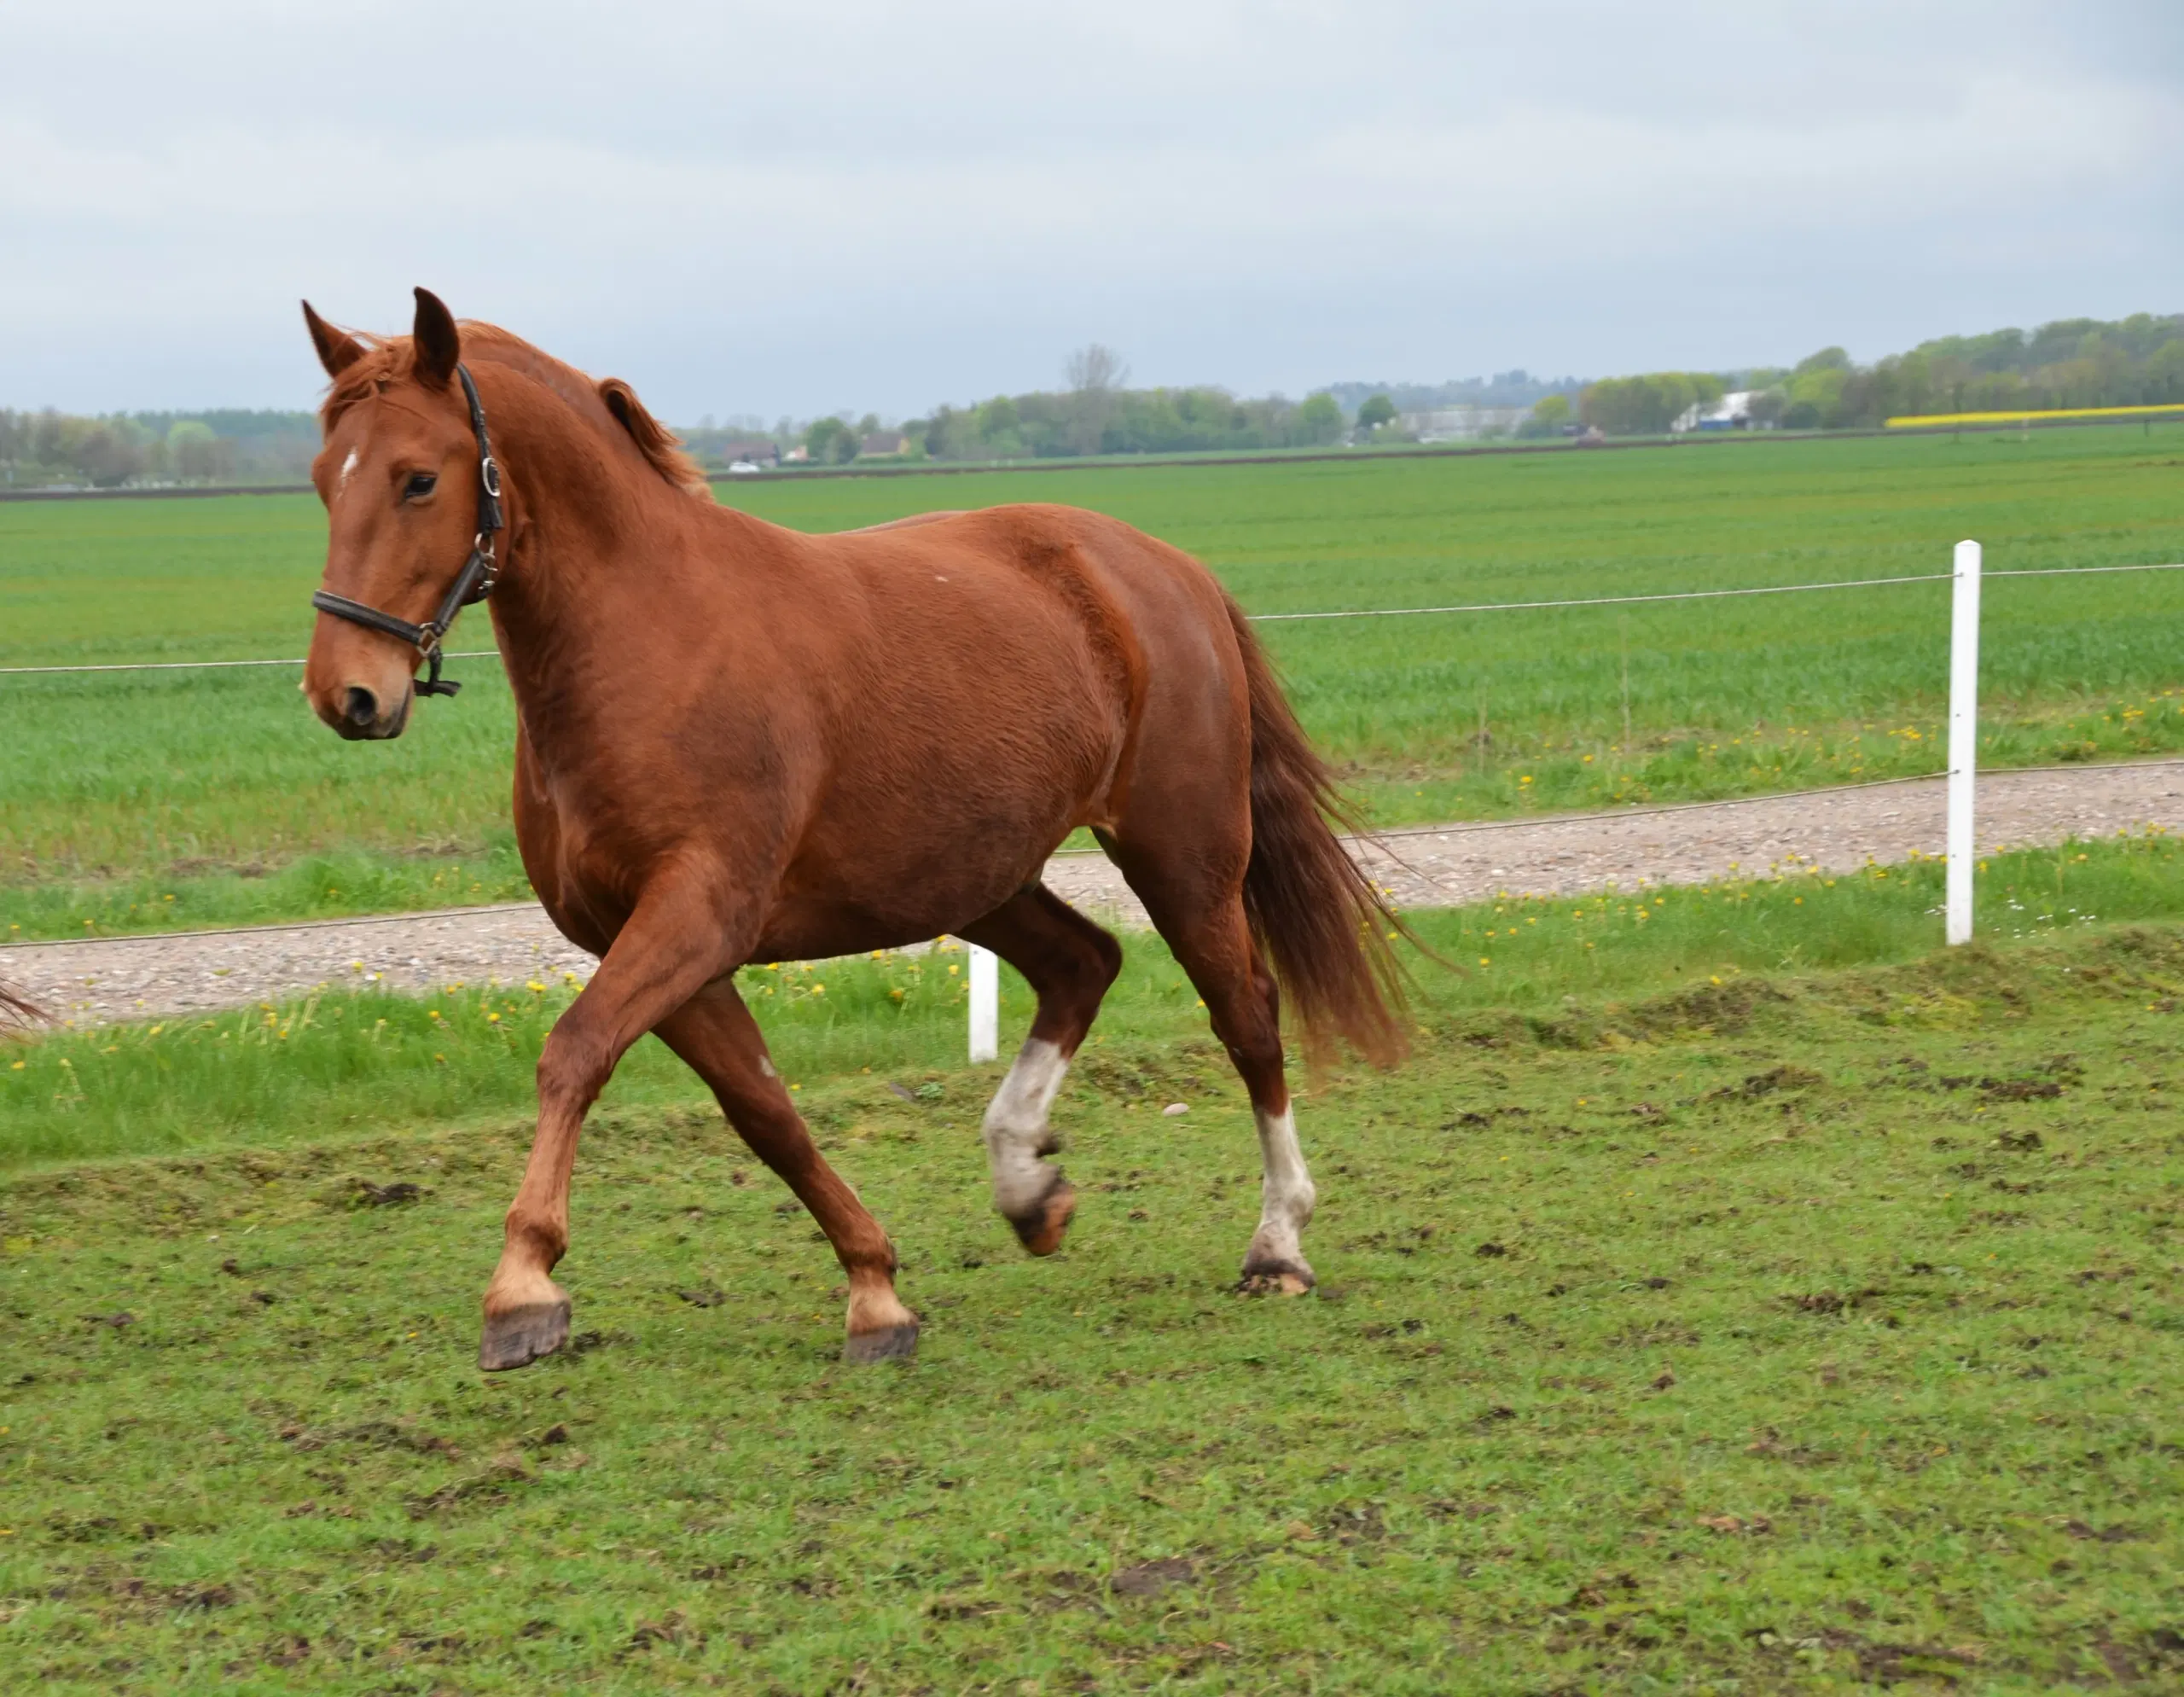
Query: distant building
column 1462, row 424
column 759, row 455
column 797, row 455
column 1731, row 412
column 883, row 444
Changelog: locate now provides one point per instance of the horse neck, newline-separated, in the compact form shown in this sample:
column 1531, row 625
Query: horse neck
column 589, row 529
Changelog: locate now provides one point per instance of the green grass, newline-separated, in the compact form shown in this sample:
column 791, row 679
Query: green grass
column 1814, row 1330
column 328, row 884
column 116, row 780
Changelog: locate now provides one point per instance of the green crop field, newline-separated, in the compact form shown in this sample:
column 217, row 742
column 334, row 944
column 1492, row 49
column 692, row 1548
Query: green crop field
column 1733, row 1294
column 118, row 791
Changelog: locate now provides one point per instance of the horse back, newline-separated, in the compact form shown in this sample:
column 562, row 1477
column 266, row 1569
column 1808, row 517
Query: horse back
column 987, row 680
column 1049, row 622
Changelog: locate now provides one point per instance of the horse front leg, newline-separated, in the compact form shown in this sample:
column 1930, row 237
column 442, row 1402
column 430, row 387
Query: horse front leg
column 714, row 1032
column 673, row 946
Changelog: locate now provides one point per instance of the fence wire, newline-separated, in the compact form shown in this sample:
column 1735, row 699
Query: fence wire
column 1276, row 618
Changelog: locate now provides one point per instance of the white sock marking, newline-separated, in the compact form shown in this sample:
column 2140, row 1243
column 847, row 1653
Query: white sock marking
column 1287, row 1197
column 1016, row 1127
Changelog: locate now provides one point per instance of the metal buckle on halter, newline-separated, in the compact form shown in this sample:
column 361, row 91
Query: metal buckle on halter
column 489, row 474
column 429, row 650
column 482, row 545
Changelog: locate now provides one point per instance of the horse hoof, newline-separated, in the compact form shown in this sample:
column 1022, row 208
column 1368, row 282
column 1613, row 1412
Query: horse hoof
column 1284, row 1278
column 1041, row 1231
column 520, row 1336
column 890, row 1343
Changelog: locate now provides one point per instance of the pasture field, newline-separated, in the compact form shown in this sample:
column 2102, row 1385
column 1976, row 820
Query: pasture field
column 1742, row 1298
column 120, row 791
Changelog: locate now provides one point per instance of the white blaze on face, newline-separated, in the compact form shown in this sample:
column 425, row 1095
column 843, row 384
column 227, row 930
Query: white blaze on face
column 342, row 483
column 1287, row 1197
column 1016, row 1128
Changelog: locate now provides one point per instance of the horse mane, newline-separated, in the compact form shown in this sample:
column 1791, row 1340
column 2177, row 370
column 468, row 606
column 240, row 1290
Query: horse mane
column 389, row 359
column 654, row 440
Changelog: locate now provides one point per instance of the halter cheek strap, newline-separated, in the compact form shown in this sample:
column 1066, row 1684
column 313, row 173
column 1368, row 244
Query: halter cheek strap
column 474, row 582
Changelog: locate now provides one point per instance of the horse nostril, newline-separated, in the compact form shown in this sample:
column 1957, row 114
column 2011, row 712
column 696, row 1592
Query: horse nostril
column 363, row 710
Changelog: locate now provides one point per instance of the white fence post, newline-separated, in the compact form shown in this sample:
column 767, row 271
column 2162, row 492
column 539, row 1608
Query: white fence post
column 986, row 1003
column 1963, row 736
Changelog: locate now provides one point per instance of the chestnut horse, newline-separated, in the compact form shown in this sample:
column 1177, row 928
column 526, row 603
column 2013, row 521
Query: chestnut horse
column 737, row 744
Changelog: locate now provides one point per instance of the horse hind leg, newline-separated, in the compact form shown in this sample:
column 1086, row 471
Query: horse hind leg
column 1206, row 928
column 1246, row 1006
column 1069, row 963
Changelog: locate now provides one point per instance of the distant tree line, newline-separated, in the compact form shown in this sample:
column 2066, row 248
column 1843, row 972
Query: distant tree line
column 1098, row 414
column 1517, row 388
column 1048, row 426
column 1645, row 405
column 2137, row 361
column 44, row 448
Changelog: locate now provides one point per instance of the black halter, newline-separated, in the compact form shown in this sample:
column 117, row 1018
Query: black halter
column 474, row 582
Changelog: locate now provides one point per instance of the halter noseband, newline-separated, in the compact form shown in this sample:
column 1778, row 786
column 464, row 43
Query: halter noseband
column 474, row 582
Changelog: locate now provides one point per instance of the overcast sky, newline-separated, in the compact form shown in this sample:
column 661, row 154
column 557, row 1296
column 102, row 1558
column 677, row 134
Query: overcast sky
column 795, row 209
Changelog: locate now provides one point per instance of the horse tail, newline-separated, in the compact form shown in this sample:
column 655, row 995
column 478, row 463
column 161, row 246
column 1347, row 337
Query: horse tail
column 1320, row 920
column 17, row 1009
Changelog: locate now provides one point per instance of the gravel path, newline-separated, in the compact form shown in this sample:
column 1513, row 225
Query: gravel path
column 90, row 983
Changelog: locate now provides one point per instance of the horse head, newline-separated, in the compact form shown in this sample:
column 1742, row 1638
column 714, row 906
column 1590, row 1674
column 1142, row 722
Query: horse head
column 400, row 474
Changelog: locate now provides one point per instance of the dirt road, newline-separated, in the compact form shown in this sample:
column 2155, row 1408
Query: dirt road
column 91, row 982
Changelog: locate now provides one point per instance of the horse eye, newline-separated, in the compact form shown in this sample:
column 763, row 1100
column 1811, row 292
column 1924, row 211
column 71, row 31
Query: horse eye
column 419, row 485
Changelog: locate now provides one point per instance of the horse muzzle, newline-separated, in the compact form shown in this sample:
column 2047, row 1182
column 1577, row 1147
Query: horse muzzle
column 360, row 714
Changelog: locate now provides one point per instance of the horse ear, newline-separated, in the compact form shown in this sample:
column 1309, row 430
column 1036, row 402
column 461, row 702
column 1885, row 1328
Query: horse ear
column 438, row 343
column 337, row 349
